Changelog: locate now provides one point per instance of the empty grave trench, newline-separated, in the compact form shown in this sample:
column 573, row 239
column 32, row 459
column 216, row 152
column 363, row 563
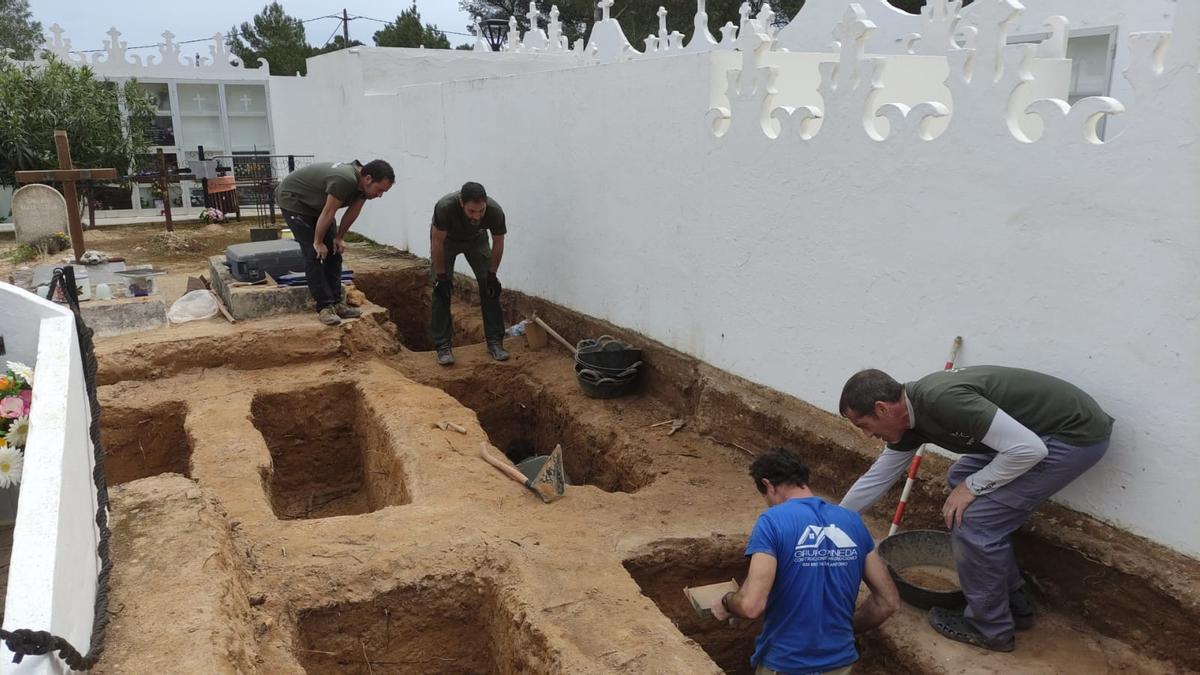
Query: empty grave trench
column 670, row 566
column 329, row 454
column 144, row 442
column 512, row 406
column 407, row 296
column 446, row 624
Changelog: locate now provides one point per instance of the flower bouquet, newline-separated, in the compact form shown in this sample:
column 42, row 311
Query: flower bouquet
column 211, row 215
column 16, row 393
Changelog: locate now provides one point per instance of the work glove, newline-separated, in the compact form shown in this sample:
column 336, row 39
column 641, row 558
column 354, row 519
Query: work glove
column 493, row 285
column 442, row 287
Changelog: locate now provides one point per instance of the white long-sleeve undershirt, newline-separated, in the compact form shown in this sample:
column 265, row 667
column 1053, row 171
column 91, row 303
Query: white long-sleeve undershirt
column 1017, row 448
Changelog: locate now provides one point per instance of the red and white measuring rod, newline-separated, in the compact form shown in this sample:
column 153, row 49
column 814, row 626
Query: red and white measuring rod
column 916, row 462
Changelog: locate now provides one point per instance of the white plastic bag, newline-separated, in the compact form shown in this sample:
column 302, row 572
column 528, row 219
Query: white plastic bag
column 193, row 307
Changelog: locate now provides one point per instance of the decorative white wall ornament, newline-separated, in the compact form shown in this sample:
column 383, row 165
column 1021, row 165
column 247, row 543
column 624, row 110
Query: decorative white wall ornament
column 941, row 19
column 557, row 41
column 1055, row 46
column 535, row 38
column 664, row 42
column 1063, row 120
column 115, row 52
column 702, row 39
column 750, row 90
column 117, row 61
column 1165, row 73
column 513, row 42
column 989, row 83
column 481, row 45
column 850, row 85
column 608, row 42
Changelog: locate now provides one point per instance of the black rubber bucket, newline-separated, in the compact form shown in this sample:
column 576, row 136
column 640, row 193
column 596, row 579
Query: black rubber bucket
column 606, row 353
column 916, row 560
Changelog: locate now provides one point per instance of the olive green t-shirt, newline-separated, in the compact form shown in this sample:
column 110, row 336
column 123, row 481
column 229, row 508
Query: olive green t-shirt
column 304, row 190
column 448, row 215
column 955, row 408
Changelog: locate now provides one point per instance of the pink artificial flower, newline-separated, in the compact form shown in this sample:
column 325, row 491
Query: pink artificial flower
column 12, row 407
column 26, row 396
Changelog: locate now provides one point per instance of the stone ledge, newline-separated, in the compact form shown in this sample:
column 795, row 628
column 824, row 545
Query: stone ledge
column 256, row 302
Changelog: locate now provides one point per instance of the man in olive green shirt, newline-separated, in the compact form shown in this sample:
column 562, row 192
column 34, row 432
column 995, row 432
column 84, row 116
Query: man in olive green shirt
column 1023, row 436
column 461, row 222
column 310, row 198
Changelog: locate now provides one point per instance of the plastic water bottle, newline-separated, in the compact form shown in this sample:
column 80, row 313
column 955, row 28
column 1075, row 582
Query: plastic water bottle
column 516, row 329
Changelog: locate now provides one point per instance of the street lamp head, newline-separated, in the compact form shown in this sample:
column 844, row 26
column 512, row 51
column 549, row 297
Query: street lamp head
column 495, row 31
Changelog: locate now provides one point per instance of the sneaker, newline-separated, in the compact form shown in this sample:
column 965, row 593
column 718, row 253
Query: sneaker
column 1021, row 608
column 444, row 356
column 328, row 316
column 952, row 624
column 346, row 311
column 497, row 351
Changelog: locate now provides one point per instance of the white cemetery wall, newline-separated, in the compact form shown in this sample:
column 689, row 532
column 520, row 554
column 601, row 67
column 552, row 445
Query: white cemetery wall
column 53, row 567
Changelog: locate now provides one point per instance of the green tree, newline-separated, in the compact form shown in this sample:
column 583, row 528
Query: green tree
column 18, row 31
column 274, row 36
column 337, row 43
column 408, row 31
column 37, row 99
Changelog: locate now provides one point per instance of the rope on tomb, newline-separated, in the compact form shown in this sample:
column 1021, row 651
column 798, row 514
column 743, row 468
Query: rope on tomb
column 23, row 641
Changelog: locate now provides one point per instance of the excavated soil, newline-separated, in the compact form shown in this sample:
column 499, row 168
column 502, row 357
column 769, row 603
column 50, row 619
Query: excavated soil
column 512, row 406
column 327, row 457
column 445, row 624
column 145, row 442
column 410, row 305
column 330, row 525
column 672, row 566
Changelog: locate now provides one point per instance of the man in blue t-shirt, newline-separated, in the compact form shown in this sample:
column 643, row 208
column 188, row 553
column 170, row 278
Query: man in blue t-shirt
column 807, row 558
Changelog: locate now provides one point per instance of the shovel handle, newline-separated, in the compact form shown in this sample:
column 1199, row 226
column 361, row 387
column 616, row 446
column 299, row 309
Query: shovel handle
column 508, row 469
column 554, row 334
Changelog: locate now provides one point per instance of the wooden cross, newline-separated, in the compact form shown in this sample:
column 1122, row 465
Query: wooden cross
column 163, row 180
column 67, row 175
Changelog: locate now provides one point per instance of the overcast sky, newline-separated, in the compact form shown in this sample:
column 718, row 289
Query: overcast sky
column 86, row 22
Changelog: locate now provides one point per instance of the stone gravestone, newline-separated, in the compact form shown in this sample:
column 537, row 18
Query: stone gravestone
column 38, row 211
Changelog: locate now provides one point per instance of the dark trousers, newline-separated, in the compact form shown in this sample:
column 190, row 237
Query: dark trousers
column 478, row 253
column 324, row 277
column 983, row 553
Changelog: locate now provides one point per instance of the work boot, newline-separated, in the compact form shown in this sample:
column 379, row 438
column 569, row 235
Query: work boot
column 952, row 624
column 444, row 356
column 1021, row 608
column 497, row 351
column 328, row 316
column 346, row 311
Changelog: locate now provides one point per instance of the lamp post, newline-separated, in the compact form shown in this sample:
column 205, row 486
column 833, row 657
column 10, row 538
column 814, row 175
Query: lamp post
column 494, row 31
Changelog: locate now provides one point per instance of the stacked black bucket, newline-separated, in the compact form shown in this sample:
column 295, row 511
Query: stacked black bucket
column 607, row 367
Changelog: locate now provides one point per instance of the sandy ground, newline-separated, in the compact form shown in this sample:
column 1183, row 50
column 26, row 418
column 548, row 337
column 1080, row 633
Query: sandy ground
column 135, row 243
column 283, row 503
column 332, row 528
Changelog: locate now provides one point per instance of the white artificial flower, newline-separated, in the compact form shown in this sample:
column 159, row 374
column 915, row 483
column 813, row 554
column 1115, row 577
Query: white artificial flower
column 18, row 433
column 12, row 462
column 22, row 371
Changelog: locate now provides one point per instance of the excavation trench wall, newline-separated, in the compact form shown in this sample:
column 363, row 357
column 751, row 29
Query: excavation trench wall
column 446, row 624
column 1063, row 552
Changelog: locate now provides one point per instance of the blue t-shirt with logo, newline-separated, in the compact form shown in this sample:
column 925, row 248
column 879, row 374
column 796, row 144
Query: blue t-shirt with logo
column 820, row 551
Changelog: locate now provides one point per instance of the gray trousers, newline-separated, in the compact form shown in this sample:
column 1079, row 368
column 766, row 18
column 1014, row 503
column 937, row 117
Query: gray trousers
column 983, row 553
